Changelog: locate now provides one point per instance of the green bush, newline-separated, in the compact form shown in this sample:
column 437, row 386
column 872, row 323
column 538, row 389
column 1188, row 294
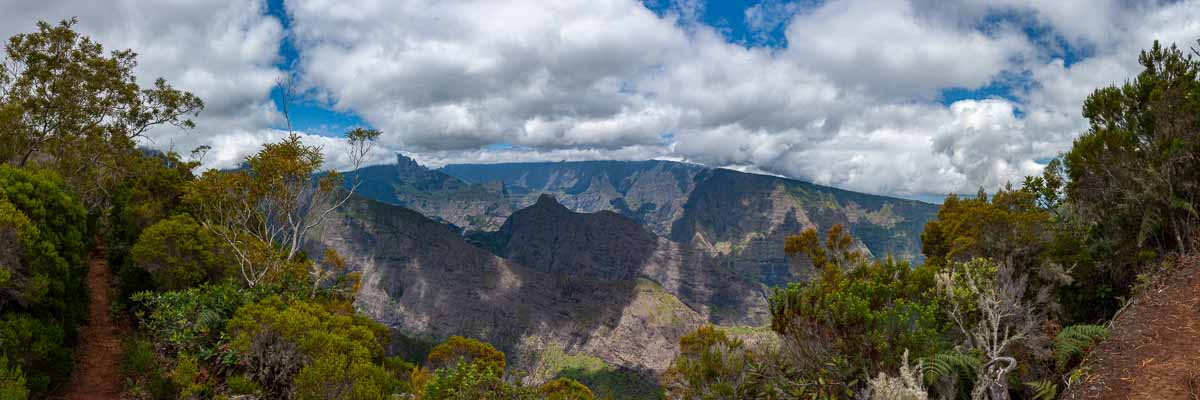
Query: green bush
column 565, row 389
column 711, row 364
column 38, row 347
column 144, row 377
column 869, row 314
column 150, row 194
column 469, row 381
column 179, row 253
column 188, row 377
column 312, row 350
column 242, row 385
column 12, row 382
column 459, row 349
column 191, row 321
column 42, row 298
column 43, row 251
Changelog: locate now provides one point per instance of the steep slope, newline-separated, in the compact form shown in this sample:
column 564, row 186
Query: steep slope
column 739, row 218
column 419, row 277
column 650, row 192
column 1152, row 351
column 604, row 245
column 434, row 194
column 745, row 218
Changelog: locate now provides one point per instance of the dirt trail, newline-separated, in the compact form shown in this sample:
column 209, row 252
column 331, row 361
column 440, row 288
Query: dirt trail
column 97, row 362
column 1153, row 351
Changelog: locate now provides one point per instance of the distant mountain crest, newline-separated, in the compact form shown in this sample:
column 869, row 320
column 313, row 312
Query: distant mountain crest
column 739, row 218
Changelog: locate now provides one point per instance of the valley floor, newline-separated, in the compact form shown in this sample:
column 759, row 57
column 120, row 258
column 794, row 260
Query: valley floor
column 97, row 374
column 1154, row 349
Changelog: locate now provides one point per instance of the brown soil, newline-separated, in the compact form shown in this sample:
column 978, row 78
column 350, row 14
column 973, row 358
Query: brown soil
column 1153, row 351
column 97, row 363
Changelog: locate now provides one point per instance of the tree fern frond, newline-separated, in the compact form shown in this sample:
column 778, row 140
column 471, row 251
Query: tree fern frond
column 949, row 365
column 1076, row 340
column 1043, row 389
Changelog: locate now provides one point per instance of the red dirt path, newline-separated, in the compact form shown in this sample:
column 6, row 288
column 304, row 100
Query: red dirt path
column 97, row 374
column 1154, row 348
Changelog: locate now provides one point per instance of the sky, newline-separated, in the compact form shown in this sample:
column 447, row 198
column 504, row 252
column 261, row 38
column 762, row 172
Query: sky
column 913, row 98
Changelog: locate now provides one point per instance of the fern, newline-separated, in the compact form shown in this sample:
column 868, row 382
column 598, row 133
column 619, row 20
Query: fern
column 949, row 365
column 1076, row 340
column 950, row 373
column 1043, row 389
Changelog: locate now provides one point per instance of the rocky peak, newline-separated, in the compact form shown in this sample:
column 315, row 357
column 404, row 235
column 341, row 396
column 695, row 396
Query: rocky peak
column 406, row 162
column 547, row 202
column 549, row 237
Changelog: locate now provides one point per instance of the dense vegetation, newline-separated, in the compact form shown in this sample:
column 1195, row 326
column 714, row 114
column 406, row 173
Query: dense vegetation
column 1014, row 285
column 211, row 274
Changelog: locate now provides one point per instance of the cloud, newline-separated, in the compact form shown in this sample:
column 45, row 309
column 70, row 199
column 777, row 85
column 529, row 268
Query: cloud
column 222, row 51
column 890, row 48
column 853, row 99
column 610, row 78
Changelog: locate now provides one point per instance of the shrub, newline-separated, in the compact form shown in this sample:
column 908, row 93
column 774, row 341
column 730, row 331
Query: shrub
column 189, row 378
column 469, row 381
column 242, row 385
column 178, row 253
column 12, row 382
column 907, row 385
column 144, row 377
column 311, row 350
column 191, row 321
column 867, row 315
column 36, row 346
column 710, row 363
column 459, row 349
column 565, row 389
column 43, row 229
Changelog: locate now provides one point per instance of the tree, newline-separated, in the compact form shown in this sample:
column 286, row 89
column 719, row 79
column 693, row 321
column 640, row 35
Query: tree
column 273, row 203
column 837, row 252
column 67, row 106
column 44, row 231
column 1136, row 172
column 856, row 316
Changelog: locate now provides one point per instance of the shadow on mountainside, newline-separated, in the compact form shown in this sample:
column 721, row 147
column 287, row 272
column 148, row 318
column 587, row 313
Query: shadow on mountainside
column 1153, row 351
column 421, row 278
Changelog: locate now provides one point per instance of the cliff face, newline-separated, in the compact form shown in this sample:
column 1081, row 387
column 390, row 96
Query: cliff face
column 739, row 220
column 743, row 220
column 433, row 193
column 421, row 278
column 649, row 192
column 604, row 245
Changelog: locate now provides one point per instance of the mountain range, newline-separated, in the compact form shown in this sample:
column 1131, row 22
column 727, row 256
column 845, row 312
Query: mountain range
column 592, row 268
column 739, row 218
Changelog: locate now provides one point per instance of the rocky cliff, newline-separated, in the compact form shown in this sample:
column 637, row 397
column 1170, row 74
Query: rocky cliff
column 738, row 219
column 421, row 278
column 433, row 193
column 743, row 220
column 604, row 245
column 649, row 192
